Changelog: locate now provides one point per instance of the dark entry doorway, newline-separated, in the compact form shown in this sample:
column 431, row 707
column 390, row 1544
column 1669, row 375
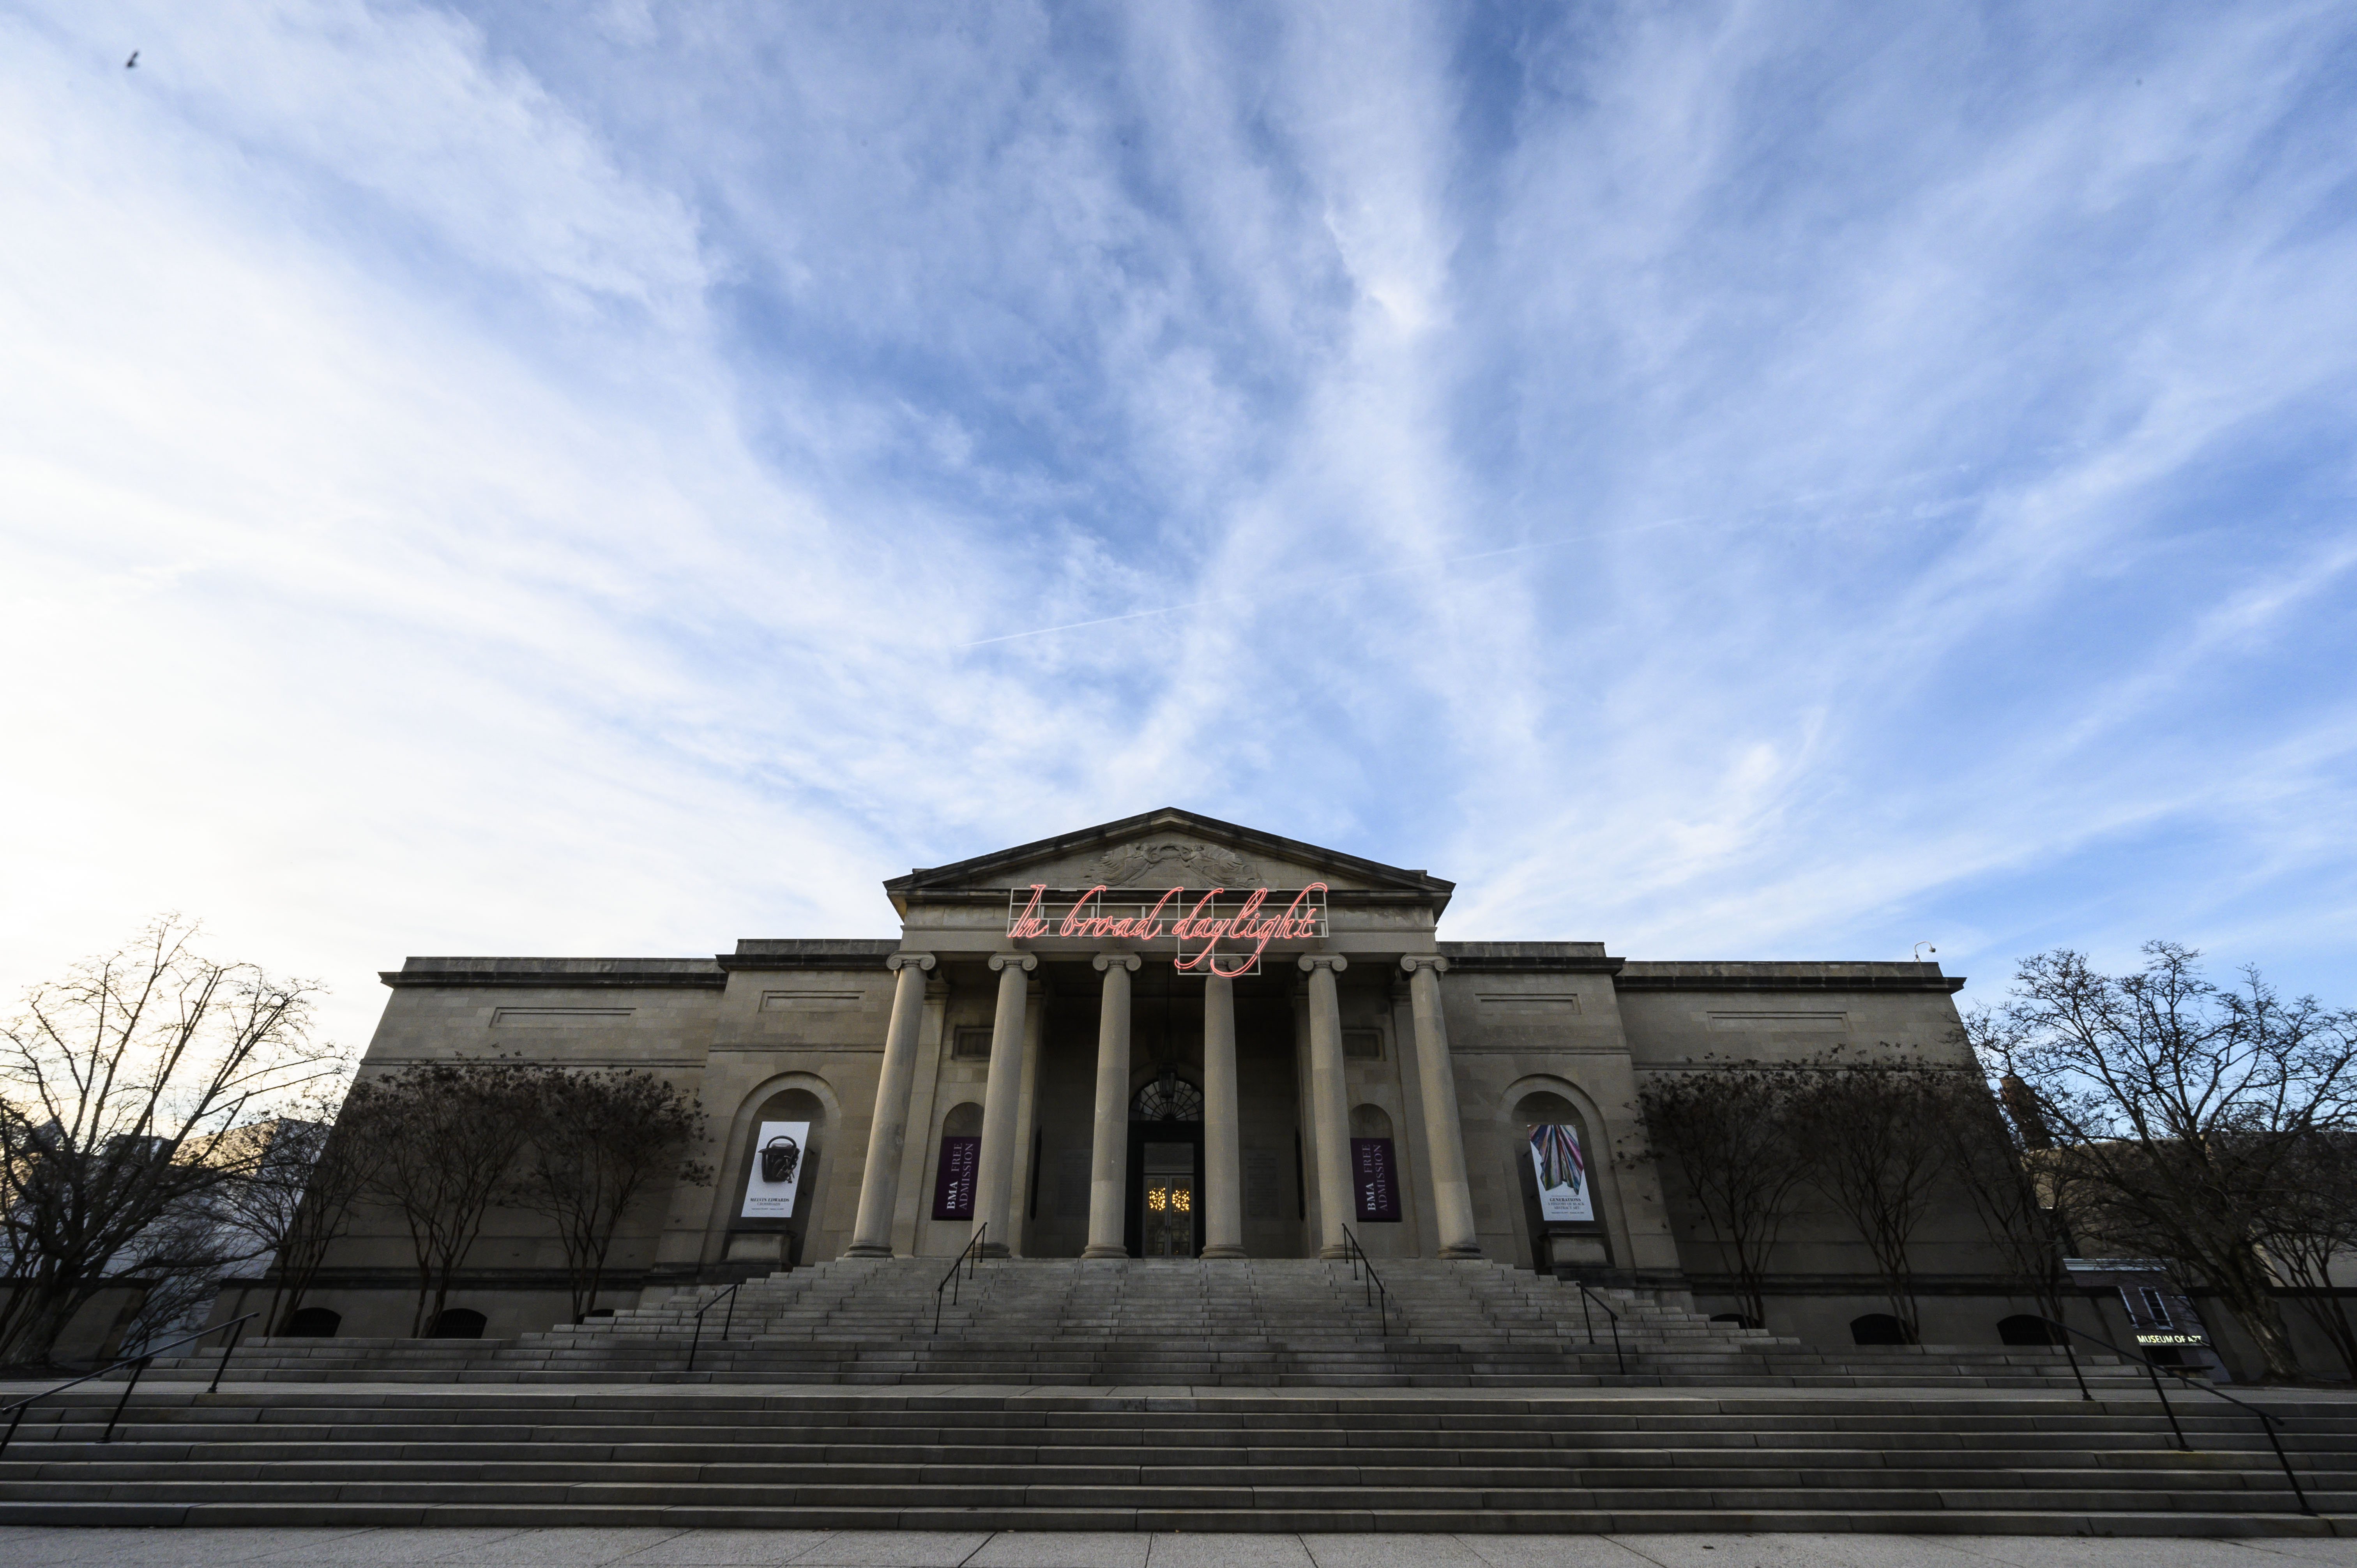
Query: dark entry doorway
column 1168, row 1204
column 1166, row 1169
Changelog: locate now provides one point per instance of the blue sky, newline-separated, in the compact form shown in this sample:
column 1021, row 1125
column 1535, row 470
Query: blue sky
column 1730, row 481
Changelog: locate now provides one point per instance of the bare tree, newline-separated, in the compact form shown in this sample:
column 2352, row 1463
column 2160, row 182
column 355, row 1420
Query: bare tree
column 1999, row 1151
column 298, row 1201
column 2183, row 1108
column 181, row 1259
column 599, row 1140
column 441, row 1139
column 1730, row 1131
column 120, row 1085
column 1877, row 1144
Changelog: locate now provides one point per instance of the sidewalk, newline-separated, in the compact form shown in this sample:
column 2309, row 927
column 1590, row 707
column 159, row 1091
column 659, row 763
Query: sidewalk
column 38, row 1547
column 187, row 1388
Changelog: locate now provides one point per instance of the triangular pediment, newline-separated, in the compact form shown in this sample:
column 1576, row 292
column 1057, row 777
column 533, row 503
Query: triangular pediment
column 1168, row 848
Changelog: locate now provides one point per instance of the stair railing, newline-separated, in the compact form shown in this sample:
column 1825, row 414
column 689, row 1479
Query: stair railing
column 2267, row 1423
column 727, row 1320
column 967, row 1260
column 1586, row 1296
column 137, row 1364
column 1376, row 1292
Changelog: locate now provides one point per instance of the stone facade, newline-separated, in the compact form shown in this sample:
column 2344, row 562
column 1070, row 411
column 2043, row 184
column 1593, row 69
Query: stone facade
column 1375, row 1030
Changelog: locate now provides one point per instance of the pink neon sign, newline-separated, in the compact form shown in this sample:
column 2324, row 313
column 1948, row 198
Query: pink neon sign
column 1202, row 924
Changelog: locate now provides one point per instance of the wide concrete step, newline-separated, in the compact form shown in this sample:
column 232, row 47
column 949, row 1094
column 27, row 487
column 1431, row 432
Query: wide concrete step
column 1242, row 1323
column 594, row 1515
column 471, row 1454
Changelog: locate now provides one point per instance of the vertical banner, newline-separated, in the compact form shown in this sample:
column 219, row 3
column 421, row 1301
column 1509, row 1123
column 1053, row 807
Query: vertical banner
column 777, row 1173
column 1563, row 1175
column 1370, row 1163
column 953, row 1188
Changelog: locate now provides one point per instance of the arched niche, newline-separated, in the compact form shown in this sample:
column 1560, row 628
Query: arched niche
column 2027, row 1328
column 312, row 1322
column 945, row 1215
column 787, row 1097
column 1591, row 1247
column 1369, row 1121
column 1879, row 1328
column 457, row 1323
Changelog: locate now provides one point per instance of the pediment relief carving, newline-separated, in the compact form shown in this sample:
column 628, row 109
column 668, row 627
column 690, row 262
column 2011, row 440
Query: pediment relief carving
column 1171, row 862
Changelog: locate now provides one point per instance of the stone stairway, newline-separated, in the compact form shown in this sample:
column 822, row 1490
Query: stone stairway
column 1055, row 1458
column 1259, row 1322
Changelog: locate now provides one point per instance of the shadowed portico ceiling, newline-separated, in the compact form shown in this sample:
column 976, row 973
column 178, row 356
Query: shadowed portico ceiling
column 1168, row 848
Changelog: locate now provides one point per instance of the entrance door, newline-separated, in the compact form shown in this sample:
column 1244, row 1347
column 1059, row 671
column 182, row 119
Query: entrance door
column 1169, row 1195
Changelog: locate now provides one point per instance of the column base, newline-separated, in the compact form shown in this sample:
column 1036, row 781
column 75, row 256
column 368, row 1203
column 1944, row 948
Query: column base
column 866, row 1250
column 1336, row 1253
column 1221, row 1252
column 1468, row 1251
column 994, row 1249
column 1104, row 1251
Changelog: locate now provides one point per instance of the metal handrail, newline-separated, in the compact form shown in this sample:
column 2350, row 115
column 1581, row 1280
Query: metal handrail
column 2267, row 1423
column 727, row 1321
column 969, row 1259
column 1586, row 1296
column 1376, row 1291
column 137, row 1364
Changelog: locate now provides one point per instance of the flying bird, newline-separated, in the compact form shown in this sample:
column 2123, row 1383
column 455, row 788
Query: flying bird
column 133, row 63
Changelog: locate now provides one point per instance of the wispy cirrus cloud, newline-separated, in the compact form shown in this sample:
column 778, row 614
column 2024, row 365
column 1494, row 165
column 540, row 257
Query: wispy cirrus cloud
column 1745, row 479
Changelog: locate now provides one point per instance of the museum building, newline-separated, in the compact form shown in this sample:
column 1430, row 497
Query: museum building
column 1167, row 1037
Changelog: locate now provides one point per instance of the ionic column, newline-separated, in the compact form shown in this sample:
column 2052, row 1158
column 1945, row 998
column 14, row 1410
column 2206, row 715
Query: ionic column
column 1444, row 1135
column 1330, row 1106
column 1223, row 1213
column 1027, row 1118
column 1109, row 1164
column 996, row 1179
column 871, row 1236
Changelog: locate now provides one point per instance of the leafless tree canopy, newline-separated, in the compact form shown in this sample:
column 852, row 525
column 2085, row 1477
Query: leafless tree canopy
column 600, row 1142
column 2184, row 1114
column 1730, row 1131
column 1997, row 1151
column 298, row 1201
column 439, row 1140
column 444, row 1144
column 126, row 1089
column 1876, row 1140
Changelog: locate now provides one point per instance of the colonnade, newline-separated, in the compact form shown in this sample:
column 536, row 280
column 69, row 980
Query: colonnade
column 1222, row 1198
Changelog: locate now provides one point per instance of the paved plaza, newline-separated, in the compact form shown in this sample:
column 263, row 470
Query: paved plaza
column 38, row 1547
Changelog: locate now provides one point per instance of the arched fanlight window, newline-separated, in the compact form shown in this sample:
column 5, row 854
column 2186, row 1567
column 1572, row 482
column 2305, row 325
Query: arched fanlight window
column 1168, row 1098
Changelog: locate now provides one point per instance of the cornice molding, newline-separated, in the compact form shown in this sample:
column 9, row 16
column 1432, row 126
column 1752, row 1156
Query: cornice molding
column 559, row 973
column 1790, row 977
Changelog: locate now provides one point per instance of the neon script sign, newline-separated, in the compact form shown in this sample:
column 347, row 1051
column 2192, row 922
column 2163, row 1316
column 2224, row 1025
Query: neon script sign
column 1217, row 931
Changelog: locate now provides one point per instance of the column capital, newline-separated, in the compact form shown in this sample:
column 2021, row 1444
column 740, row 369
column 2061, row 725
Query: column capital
column 903, row 960
column 1128, row 960
column 1313, row 961
column 1431, row 961
column 1022, row 961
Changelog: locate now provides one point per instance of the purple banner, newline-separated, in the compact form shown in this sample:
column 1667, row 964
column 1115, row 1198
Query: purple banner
column 953, row 1191
column 1370, row 1164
